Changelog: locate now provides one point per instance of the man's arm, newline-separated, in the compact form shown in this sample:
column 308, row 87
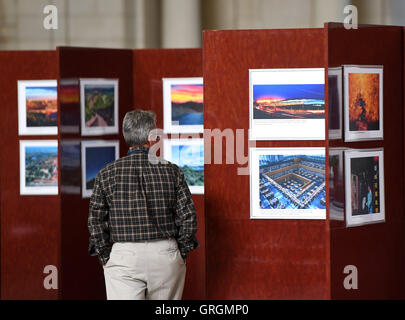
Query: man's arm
column 186, row 217
column 98, row 223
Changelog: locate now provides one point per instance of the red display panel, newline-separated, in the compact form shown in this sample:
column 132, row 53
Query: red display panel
column 30, row 225
column 149, row 67
column 256, row 259
column 377, row 251
column 82, row 275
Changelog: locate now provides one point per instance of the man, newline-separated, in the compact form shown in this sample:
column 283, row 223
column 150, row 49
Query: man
column 142, row 205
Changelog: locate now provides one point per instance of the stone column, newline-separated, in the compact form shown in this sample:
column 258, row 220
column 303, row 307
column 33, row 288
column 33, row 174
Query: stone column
column 181, row 24
column 373, row 11
column 327, row 11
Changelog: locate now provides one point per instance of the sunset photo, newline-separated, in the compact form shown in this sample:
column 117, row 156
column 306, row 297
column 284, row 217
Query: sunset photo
column 183, row 105
column 288, row 101
column 187, row 104
column 42, row 109
column 37, row 107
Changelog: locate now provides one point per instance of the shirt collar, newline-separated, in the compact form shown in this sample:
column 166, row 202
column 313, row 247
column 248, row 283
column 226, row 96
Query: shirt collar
column 138, row 149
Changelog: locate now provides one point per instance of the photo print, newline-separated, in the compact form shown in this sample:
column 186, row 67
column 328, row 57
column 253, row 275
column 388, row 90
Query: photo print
column 363, row 101
column 38, row 167
column 188, row 154
column 335, row 102
column 287, row 183
column 364, row 181
column 70, row 166
column 336, row 184
column 69, row 99
column 37, row 107
column 96, row 154
column 183, row 105
column 99, row 106
column 287, row 104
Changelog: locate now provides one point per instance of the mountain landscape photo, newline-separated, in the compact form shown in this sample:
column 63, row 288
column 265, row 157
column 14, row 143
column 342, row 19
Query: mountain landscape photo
column 190, row 158
column 187, row 104
column 99, row 105
column 41, row 106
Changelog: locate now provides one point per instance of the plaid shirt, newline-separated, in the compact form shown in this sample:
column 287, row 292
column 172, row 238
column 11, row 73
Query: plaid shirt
column 136, row 199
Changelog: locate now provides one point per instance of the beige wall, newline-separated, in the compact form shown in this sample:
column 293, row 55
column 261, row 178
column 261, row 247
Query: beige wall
column 170, row 23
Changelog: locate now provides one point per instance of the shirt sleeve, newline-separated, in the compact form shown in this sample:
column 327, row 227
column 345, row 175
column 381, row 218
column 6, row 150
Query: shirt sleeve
column 186, row 217
column 99, row 243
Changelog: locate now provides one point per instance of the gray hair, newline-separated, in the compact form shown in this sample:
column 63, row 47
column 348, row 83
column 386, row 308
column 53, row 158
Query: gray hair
column 137, row 125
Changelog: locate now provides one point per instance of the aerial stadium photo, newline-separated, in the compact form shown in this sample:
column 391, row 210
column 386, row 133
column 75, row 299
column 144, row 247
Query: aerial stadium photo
column 292, row 181
column 288, row 101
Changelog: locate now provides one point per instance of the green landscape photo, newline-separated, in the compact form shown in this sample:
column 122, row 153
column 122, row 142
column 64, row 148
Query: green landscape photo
column 99, row 105
column 190, row 158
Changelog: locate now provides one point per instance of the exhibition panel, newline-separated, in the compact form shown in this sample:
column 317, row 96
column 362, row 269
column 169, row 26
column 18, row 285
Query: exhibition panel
column 95, row 93
column 266, row 258
column 30, row 220
column 150, row 67
column 372, row 141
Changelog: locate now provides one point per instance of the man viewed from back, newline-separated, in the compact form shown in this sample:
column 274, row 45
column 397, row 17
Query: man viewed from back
column 142, row 205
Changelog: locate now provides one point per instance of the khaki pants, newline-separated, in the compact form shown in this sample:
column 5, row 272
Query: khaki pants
column 151, row 270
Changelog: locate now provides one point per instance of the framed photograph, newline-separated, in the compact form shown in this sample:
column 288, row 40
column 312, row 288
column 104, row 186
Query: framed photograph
column 287, row 183
column 99, row 106
column 364, row 186
column 96, row 154
column 335, row 98
column 70, row 166
column 69, row 99
column 37, row 107
column 38, row 167
column 287, row 104
column 188, row 154
column 336, row 184
column 363, row 102
column 183, row 105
